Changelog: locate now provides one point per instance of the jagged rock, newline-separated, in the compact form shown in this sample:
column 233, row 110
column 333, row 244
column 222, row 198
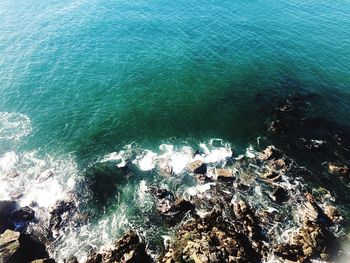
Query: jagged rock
column 173, row 212
column 270, row 153
column 342, row 170
column 197, row 167
column 332, row 213
column 171, row 209
column 128, row 249
column 23, row 214
column 9, row 245
column 58, row 215
column 210, row 239
column 6, row 208
column 224, row 174
column 271, row 176
column 244, row 213
column 17, row 247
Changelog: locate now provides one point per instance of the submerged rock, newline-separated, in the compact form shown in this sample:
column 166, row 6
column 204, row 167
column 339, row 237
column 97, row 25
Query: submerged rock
column 129, row 249
column 336, row 169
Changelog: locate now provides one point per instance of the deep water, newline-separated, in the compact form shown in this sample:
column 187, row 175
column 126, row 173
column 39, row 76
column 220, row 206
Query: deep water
column 80, row 80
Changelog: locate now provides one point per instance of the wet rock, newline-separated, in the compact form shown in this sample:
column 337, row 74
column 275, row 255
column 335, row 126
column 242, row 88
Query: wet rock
column 244, row 213
column 210, row 239
column 271, row 176
column 197, row 167
column 6, row 208
column 224, row 174
column 18, row 247
column 23, row 214
column 173, row 212
column 333, row 213
column 60, row 213
column 341, row 170
column 312, row 144
column 172, row 209
column 21, row 217
column 271, row 153
column 128, row 249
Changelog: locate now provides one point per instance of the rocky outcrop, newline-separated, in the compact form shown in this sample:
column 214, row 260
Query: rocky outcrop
column 210, row 239
column 128, row 249
column 59, row 216
column 17, row 247
column 171, row 209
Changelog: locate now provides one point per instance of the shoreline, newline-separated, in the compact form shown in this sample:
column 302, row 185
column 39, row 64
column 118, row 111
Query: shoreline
column 260, row 206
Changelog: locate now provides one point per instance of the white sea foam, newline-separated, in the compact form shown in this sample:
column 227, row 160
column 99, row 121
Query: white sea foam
column 14, row 126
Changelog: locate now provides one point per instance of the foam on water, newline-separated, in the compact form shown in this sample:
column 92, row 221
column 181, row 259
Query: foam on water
column 14, row 126
column 40, row 181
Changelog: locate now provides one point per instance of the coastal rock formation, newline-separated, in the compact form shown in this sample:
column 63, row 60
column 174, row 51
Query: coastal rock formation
column 59, row 216
column 171, row 209
column 17, row 247
column 129, row 249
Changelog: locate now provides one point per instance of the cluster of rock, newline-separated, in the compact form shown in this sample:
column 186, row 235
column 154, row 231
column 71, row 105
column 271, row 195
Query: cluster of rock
column 222, row 225
column 18, row 243
column 128, row 249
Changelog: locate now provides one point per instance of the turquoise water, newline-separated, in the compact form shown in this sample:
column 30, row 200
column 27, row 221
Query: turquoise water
column 94, row 75
column 89, row 77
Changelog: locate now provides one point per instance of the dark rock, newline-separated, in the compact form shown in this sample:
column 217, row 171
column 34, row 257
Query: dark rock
column 173, row 212
column 22, row 216
column 59, row 216
column 18, row 247
column 280, row 195
column 197, row 167
column 6, row 208
column 129, row 249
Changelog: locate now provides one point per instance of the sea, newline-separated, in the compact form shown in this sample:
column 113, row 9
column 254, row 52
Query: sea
column 84, row 82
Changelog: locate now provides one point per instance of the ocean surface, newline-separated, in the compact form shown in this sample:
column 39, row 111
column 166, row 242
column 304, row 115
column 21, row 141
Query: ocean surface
column 86, row 81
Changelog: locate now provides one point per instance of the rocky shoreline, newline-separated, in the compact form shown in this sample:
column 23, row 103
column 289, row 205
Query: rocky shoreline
column 257, row 207
column 217, row 225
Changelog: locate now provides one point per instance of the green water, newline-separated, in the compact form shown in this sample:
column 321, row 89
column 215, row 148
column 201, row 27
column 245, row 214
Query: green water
column 95, row 75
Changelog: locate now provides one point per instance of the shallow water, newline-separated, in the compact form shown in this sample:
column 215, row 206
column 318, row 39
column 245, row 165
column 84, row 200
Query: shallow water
column 79, row 80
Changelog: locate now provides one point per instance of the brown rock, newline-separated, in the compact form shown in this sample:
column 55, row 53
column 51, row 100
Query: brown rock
column 224, row 174
column 197, row 167
column 342, row 170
